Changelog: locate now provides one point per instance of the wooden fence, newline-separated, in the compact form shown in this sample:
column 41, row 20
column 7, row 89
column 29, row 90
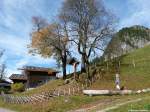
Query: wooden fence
column 44, row 96
column 68, row 90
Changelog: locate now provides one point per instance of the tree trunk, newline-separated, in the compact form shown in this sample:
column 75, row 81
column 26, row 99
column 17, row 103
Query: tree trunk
column 83, row 64
column 75, row 70
column 64, row 70
column 64, row 63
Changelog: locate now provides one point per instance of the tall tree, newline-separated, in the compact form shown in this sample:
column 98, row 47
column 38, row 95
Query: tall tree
column 2, row 71
column 50, row 40
column 2, row 67
column 90, row 26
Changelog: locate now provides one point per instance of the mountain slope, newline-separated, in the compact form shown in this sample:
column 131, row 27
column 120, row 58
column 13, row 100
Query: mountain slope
column 127, row 40
column 132, row 77
column 134, row 72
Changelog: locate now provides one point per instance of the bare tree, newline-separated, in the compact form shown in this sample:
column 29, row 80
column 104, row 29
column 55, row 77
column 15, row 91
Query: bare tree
column 2, row 71
column 50, row 40
column 90, row 26
column 2, row 67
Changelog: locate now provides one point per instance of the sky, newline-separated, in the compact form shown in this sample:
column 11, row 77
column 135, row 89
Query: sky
column 16, row 26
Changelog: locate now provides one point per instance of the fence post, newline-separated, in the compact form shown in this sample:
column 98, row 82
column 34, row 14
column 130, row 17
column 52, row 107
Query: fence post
column 69, row 91
column 133, row 62
column 64, row 92
column 55, row 92
column 73, row 90
column 82, row 87
column 58, row 93
column 78, row 89
column 10, row 99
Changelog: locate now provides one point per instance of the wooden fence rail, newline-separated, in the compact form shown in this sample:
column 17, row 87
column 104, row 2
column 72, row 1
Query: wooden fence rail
column 45, row 96
column 73, row 89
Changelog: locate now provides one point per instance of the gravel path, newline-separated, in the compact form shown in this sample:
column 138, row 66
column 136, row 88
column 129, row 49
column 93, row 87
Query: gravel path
column 5, row 110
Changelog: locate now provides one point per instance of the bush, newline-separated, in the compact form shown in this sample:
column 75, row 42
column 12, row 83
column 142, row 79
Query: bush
column 17, row 87
column 82, row 78
column 5, row 90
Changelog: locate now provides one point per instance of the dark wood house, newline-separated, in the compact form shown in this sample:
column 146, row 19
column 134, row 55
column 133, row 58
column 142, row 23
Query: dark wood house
column 4, row 83
column 18, row 78
column 34, row 76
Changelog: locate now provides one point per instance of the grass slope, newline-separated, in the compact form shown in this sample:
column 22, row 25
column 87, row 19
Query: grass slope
column 64, row 104
column 59, row 104
column 51, row 85
column 132, row 77
column 143, row 105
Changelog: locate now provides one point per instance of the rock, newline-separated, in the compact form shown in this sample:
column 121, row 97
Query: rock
column 106, row 92
column 67, row 81
column 139, row 91
column 148, row 90
column 126, row 92
column 144, row 90
column 96, row 92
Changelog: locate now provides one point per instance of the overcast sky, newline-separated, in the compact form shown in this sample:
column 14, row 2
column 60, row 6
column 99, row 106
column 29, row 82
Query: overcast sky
column 16, row 25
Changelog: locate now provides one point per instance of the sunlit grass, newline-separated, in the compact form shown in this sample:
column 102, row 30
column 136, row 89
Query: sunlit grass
column 131, row 77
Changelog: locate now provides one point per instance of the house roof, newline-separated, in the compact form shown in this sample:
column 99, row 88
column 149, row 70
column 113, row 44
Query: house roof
column 4, row 81
column 42, row 69
column 4, row 84
column 18, row 77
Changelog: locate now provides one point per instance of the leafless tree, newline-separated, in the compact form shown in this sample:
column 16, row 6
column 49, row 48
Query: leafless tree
column 2, row 67
column 89, row 25
column 2, row 71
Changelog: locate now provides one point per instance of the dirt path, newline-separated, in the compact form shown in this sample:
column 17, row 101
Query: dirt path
column 5, row 110
column 96, row 108
column 118, row 105
column 96, row 105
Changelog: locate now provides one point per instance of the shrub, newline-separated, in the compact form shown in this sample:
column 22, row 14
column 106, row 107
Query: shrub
column 82, row 78
column 17, row 87
column 147, row 106
column 5, row 90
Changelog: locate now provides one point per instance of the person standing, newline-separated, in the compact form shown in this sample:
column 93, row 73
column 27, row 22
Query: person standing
column 117, row 82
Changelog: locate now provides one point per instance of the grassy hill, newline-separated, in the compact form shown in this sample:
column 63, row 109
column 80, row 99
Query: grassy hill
column 51, row 85
column 132, row 76
column 143, row 104
column 134, row 72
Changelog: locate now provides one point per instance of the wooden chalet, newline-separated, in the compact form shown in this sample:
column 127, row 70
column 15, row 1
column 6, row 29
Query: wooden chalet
column 4, row 83
column 34, row 76
column 18, row 78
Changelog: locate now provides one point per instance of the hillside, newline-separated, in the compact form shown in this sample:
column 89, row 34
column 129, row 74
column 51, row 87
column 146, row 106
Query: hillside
column 127, row 40
column 143, row 104
column 132, row 76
